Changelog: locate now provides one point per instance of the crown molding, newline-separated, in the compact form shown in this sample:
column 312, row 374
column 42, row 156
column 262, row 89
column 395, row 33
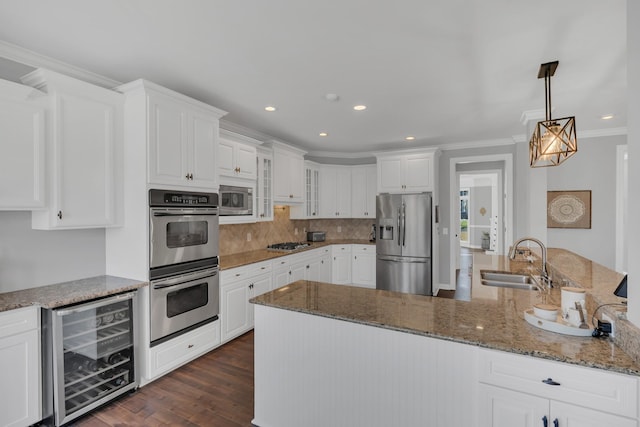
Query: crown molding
column 338, row 154
column 477, row 144
column 36, row 60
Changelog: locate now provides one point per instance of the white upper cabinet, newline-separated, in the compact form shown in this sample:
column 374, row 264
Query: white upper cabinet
column 181, row 134
column 264, row 187
column 311, row 207
column 22, row 135
column 84, row 153
column 288, row 174
column 335, row 191
column 363, row 191
column 236, row 159
column 406, row 172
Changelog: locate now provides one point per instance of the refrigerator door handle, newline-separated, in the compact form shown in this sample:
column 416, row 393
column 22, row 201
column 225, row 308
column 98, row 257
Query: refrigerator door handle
column 404, row 224
column 399, row 229
column 406, row 260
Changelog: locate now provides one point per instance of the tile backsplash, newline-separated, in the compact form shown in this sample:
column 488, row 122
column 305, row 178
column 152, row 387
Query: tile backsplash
column 233, row 237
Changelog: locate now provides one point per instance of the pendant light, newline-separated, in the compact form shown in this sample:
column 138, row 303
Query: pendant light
column 553, row 140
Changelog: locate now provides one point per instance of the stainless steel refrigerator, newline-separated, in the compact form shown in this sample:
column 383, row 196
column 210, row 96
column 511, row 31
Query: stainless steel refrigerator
column 403, row 243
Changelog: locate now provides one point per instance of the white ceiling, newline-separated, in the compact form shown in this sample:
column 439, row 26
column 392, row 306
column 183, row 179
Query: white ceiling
column 445, row 71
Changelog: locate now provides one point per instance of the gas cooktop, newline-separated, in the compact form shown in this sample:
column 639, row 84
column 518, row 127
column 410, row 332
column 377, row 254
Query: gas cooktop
column 287, row 246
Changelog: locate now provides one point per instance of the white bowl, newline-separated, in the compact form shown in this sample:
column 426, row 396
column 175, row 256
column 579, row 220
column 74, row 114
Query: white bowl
column 546, row 311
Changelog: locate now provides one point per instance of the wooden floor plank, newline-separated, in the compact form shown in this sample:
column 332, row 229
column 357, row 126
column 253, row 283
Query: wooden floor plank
column 214, row 390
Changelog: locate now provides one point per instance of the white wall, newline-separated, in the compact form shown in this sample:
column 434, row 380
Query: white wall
column 31, row 258
column 593, row 168
column 633, row 127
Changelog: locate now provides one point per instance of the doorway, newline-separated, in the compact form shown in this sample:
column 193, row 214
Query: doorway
column 483, row 187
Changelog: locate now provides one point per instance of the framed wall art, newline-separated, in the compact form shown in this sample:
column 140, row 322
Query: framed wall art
column 569, row 209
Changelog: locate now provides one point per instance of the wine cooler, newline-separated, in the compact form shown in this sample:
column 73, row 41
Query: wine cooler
column 90, row 355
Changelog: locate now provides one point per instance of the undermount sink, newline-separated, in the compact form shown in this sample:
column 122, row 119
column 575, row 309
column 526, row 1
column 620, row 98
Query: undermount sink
column 507, row 279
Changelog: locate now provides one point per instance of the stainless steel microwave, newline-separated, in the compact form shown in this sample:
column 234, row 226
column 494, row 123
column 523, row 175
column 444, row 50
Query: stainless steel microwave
column 236, row 200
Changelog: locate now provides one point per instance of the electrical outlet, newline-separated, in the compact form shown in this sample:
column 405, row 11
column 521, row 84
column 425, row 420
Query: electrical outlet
column 606, row 318
column 339, row 229
column 295, row 231
column 248, row 237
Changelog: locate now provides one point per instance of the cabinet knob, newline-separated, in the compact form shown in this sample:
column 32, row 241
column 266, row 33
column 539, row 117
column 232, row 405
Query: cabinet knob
column 307, row 266
column 289, row 272
column 550, row 381
column 59, row 215
column 291, row 196
column 545, row 421
column 355, row 257
column 190, row 346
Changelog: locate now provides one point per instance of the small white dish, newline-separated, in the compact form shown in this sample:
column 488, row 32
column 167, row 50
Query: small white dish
column 546, row 311
column 559, row 326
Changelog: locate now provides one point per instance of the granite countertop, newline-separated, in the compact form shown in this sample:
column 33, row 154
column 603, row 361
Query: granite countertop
column 493, row 318
column 250, row 257
column 66, row 293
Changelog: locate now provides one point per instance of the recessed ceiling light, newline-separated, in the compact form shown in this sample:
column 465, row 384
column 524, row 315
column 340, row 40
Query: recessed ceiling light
column 359, row 107
column 332, row 97
column 270, row 108
column 323, row 134
column 607, row 117
column 410, row 138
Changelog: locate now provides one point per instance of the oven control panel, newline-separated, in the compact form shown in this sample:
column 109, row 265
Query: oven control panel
column 167, row 198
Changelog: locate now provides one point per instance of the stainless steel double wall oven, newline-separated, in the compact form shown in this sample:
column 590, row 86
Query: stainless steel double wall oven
column 183, row 262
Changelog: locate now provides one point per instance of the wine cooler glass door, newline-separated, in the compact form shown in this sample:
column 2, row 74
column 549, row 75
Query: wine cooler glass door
column 93, row 355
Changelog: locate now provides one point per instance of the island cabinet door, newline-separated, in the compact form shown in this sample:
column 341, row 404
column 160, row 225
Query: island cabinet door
column 572, row 415
column 500, row 407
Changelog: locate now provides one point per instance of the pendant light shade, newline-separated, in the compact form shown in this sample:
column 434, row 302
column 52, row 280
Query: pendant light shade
column 553, row 140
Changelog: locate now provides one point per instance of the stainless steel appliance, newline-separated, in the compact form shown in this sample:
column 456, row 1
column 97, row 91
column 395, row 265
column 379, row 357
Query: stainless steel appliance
column 236, row 200
column 316, row 236
column 89, row 356
column 184, row 289
column 403, row 243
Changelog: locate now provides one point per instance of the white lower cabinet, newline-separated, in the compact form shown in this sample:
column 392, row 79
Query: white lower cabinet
column 341, row 264
column 237, row 287
column 167, row 356
column 520, row 391
column 20, row 394
column 363, row 266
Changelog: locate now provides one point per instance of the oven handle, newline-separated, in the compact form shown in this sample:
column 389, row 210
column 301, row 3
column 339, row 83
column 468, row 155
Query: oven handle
column 91, row 306
column 175, row 281
column 183, row 212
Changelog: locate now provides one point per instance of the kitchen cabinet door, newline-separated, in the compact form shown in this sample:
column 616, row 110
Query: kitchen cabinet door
column 311, row 206
column 22, row 133
column 84, row 157
column 259, row 285
column 341, row 264
column 363, row 192
column 236, row 318
column 363, row 267
column 236, row 160
column 264, row 187
column 325, row 272
column 505, row 408
column 411, row 172
column 20, row 367
column 281, row 277
column 183, row 143
column 335, row 192
column 572, row 415
column 288, row 175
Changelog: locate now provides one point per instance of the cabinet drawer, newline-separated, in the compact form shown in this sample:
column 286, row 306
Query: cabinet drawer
column 260, row 268
column 186, row 347
column 282, row 262
column 363, row 249
column 238, row 273
column 340, row 249
column 20, row 320
column 607, row 391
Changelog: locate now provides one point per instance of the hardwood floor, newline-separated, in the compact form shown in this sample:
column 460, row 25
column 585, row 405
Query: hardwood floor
column 215, row 390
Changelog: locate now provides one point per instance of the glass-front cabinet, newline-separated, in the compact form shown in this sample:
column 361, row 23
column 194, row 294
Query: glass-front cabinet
column 264, row 187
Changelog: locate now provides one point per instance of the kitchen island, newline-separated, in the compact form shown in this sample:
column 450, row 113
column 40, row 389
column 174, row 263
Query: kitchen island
column 340, row 355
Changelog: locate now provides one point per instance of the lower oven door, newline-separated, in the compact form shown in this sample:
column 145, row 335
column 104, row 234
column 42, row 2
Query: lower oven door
column 181, row 303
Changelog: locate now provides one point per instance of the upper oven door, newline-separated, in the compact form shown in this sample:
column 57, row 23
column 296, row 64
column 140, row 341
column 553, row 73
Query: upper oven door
column 182, row 235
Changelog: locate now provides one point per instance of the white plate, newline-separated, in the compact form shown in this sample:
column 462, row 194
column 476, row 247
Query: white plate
column 559, row 325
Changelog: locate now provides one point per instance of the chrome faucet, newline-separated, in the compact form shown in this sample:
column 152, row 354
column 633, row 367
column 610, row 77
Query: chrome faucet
column 544, row 273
